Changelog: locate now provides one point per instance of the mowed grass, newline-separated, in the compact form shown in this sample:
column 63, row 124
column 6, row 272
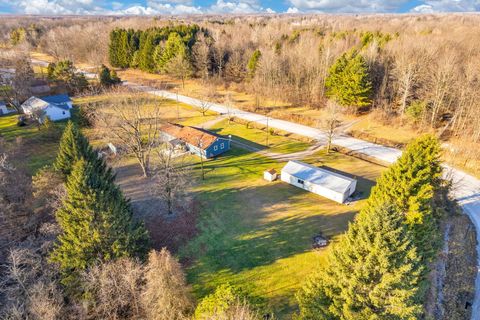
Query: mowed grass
column 258, row 235
column 258, row 138
column 35, row 148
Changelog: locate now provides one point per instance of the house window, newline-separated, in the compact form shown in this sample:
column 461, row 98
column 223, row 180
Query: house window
column 222, row 145
column 300, row 181
column 215, row 148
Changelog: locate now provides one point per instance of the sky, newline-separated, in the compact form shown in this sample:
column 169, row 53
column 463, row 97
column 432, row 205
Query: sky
column 176, row 7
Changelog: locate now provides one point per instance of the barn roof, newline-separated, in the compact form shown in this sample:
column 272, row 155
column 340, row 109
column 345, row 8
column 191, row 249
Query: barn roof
column 57, row 99
column 42, row 103
column 271, row 171
column 190, row 135
column 322, row 177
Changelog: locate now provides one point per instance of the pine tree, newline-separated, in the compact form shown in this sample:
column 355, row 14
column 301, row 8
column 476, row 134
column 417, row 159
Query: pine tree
column 73, row 147
column 411, row 184
column 96, row 222
column 348, row 81
column 373, row 272
column 174, row 46
column 253, row 63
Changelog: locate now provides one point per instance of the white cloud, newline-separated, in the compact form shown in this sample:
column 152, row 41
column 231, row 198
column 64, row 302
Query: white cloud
column 431, row 6
column 56, row 6
column 270, row 10
column 347, row 5
column 236, row 7
column 293, row 10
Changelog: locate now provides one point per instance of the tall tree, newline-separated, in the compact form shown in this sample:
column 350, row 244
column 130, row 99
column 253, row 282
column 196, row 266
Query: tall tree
column 73, row 147
column 411, row 184
column 253, row 63
column 348, row 81
column 373, row 273
column 97, row 223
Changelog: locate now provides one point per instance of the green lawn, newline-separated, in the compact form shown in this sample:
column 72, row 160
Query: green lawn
column 258, row 235
column 35, row 148
column 258, row 138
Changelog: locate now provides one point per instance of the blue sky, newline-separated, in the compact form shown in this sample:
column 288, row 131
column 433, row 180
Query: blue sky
column 154, row 7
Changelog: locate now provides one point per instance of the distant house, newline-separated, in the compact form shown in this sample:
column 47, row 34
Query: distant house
column 4, row 109
column 197, row 141
column 55, row 107
column 270, row 175
column 323, row 182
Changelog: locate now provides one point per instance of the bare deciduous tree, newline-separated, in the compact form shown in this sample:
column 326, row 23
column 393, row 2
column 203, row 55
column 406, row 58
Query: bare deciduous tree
column 134, row 124
column 115, row 289
column 172, row 178
column 166, row 295
column 331, row 122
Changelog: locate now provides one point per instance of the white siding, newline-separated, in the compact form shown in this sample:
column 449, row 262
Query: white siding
column 318, row 189
column 56, row 114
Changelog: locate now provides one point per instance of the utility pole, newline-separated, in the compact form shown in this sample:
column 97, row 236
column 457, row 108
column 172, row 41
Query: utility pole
column 200, row 145
column 267, row 131
column 178, row 108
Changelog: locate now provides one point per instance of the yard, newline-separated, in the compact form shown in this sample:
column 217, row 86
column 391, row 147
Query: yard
column 35, row 148
column 250, row 233
column 258, row 235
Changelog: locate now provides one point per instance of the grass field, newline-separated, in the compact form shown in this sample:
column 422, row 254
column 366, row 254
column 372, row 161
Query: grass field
column 258, row 138
column 258, row 235
column 35, row 148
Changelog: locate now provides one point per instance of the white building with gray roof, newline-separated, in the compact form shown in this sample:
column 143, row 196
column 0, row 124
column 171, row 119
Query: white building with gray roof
column 326, row 183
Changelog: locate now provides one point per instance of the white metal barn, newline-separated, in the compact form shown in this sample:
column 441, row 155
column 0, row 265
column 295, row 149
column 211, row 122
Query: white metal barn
column 323, row 182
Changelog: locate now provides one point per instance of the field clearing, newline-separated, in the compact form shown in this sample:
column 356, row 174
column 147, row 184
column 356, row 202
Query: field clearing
column 258, row 235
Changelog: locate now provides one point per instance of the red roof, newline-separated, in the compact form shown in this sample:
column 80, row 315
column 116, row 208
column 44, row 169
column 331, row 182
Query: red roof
column 190, row 135
column 272, row 171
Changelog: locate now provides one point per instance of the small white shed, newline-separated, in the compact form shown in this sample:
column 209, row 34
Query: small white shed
column 323, row 182
column 270, row 175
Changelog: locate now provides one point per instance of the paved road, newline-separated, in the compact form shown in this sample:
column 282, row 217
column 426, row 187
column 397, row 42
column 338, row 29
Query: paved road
column 466, row 188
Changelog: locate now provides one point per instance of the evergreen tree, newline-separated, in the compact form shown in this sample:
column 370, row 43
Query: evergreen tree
column 147, row 43
column 411, row 184
column 73, row 147
column 113, row 47
column 253, row 63
column 108, row 77
column 348, row 81
column 174, row 46
column 96, row 222
column 373, row 272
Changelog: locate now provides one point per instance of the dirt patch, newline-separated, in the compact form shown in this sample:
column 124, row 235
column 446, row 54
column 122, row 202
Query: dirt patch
column 165, row 231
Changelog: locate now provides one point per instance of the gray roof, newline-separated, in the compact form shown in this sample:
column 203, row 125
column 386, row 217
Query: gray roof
column 325, row 178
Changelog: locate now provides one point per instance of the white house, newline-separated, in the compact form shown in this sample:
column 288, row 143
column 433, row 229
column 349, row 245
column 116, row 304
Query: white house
column 270, row 175
column 55, row 107
column 323, row 182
